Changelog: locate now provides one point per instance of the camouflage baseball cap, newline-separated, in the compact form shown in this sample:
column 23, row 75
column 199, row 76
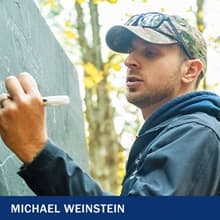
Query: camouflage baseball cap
column 159, row 28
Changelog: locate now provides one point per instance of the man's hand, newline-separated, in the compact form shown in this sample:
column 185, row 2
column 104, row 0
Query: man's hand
column 22, row 117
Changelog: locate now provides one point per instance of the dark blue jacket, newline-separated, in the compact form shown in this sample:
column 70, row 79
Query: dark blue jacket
column 177, row 152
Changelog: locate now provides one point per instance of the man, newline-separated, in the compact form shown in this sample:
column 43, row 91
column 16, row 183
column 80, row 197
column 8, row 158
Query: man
column 177, row 151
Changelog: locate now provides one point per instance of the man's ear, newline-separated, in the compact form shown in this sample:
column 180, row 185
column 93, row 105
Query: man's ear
column 191, row 70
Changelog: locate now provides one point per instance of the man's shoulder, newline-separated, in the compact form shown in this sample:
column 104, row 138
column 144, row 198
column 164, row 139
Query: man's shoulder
column 198, row 119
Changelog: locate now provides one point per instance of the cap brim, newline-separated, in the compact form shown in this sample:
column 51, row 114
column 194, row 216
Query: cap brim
column 119, row 38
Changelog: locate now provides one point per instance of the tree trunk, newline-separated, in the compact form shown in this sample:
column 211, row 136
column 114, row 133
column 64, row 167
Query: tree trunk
column 102, row 141
column 201, row 26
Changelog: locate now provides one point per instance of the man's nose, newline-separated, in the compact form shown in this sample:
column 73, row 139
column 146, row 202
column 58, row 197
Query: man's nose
column 131, row 62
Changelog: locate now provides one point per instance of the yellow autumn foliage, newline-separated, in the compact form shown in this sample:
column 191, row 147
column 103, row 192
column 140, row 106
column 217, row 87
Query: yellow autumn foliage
column 121, row 167
column 68, row 24
column 70, row 34
column 110, row 87
column 113, row 1
column 114, row 66
column 214, row 39
column 211, row 38
column 162, row 9
column 52, row 3
column 93, row 76
column 98, row 1
column 80, row 1
column 201, row 27
column 200, row 14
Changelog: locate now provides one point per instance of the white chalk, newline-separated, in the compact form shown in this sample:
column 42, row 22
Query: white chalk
column 56, row 100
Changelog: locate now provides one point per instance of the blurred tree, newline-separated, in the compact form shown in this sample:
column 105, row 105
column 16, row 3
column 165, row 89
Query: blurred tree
column 201, row 26
column 105, row 151
column 104, row 147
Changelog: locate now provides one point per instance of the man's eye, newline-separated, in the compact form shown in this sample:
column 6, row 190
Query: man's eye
column 149, row 54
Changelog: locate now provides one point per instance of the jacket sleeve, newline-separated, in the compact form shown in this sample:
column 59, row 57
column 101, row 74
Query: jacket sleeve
column 53, row 172
column 184, row 160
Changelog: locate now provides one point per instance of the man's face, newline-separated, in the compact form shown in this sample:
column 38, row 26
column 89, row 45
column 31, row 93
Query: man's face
column 154, row 73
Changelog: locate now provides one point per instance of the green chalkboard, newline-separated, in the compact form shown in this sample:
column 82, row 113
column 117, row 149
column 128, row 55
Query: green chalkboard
column 27, row 44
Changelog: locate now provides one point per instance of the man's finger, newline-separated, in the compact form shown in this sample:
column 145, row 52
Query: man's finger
column 28, row 83
column 3, row 97
column 14, row 87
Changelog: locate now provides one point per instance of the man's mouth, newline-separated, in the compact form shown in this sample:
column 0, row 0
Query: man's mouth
column 133, row 81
